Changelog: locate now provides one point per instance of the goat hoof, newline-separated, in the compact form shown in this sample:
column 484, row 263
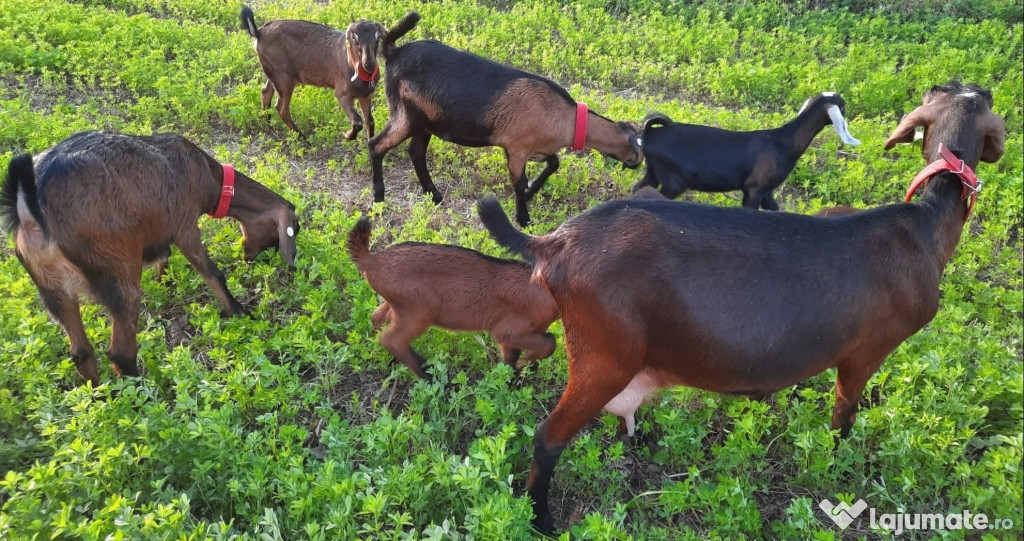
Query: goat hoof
column 351, row 134
column 437, row 198
column 545, row 525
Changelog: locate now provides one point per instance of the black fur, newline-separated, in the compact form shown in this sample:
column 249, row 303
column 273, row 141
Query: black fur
column 402, row 28
column 156, row 252
column 502, row 230
column 20, row 174
column 249, row 22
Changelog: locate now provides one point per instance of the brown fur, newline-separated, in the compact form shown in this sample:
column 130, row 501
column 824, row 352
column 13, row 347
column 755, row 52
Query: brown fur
column 112, row 203
column 841, row 210
column 306, row 53
column 658, row 293
column 425, row 285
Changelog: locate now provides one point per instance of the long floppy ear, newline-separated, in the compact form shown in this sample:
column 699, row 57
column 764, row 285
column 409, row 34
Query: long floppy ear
column 286, row 238
column 904, row 132
column 995, row 137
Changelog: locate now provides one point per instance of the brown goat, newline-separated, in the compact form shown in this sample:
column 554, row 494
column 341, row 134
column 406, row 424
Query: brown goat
column 304, row 52
column 744, row 302
column 454, row 288
column 433, row 89
column 98, row 206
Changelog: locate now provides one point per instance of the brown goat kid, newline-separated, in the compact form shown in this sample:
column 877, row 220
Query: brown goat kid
column 433, row 89
column 743, row 302
column 97, row 207
column 304, row 52
column 454, row 288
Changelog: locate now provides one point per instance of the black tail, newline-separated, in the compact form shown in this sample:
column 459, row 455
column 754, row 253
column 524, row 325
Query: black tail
column 502, row 230
column 249, row 22
column 656, row 119
column 402, row 28
column 359, row 240
column 20, row 174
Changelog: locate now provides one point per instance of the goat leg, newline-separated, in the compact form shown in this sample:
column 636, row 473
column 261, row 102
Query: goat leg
column 194, row 251
column 65, row 310
column 397, row 339
column 536, row 184
column 394, row 132
column 353, row 116
column 418, row 154
column 517, row 173
column 539, row 346
column 850, row 382
column 768, row 202
column 364, row 104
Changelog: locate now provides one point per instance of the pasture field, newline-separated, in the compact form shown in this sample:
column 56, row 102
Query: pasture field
column 294, row 423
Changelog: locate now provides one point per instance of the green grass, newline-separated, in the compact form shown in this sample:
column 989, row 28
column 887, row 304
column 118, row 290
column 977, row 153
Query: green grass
column 294, row 423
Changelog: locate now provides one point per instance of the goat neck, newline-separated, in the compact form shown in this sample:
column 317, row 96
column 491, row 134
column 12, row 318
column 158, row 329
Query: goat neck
column 798, row 133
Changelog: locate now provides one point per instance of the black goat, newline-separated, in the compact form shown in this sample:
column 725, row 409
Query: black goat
column 433, row 89
column 684, row 157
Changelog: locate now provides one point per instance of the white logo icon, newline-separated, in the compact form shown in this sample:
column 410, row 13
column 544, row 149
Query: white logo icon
column 844, row 513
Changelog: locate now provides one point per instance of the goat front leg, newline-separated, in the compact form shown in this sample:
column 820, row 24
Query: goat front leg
column 850, row 382
column 364, row 104
column 418, row 154
column 380, row 315
column 752, row 198
column 517, row 173
column 64, row 308
column 536, row 184
column 192, row 248
column 353, row 116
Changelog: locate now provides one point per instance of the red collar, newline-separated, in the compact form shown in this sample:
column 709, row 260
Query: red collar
column 371, row 78
column 949, row 162
column 580, row 138
column 227, row 191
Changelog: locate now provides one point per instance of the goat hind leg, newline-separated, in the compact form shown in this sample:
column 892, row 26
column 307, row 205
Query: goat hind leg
column 397, row 339
column 581, row 401
column 418, row 154
column 768, row 202
column 539, row 346
column 118, row 290
column 64, row 308
column 517, row 173
column 284, row 100
column 395, row 130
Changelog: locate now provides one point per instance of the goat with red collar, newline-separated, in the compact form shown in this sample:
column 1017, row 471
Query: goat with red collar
column 433, row 89
column 89, row 213
column 749, row 303
column 304, row 52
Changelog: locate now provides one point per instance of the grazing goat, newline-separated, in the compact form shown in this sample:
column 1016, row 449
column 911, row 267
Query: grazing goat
column 433, row 89
column 98, row 206
column 744, row 302
column 455, row 288
column 684, row 157
column 304, row 52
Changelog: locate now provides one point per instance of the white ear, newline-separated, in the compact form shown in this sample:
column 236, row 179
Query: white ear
column 828, row 94
column 839, row 123
column 804, row 106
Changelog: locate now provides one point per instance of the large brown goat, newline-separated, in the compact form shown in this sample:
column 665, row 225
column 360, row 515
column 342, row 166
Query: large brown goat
column 454, row 288
column 433, row 89
column 308, row 53
column 98, row 206
column 744, row 302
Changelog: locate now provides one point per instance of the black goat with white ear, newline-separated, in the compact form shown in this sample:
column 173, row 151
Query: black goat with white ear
column 684, row 157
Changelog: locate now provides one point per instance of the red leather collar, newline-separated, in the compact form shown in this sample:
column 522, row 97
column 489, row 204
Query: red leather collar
column 949, row 162
column 227, row 191
column 580, row 138
column 371, row 78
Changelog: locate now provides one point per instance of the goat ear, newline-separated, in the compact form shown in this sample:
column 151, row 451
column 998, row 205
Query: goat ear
column 381, row 31
column 286, row 240
column 995, row 138
column 904, row 132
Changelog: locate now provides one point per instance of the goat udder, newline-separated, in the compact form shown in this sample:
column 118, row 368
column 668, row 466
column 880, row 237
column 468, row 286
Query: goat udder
column 629, row 399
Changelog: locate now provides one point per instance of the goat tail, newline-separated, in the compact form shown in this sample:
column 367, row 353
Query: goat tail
column 402, row 28
column 359, row 240
column 20, row 177
column 657, row 119
column 502, row 230
column 249, row 22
